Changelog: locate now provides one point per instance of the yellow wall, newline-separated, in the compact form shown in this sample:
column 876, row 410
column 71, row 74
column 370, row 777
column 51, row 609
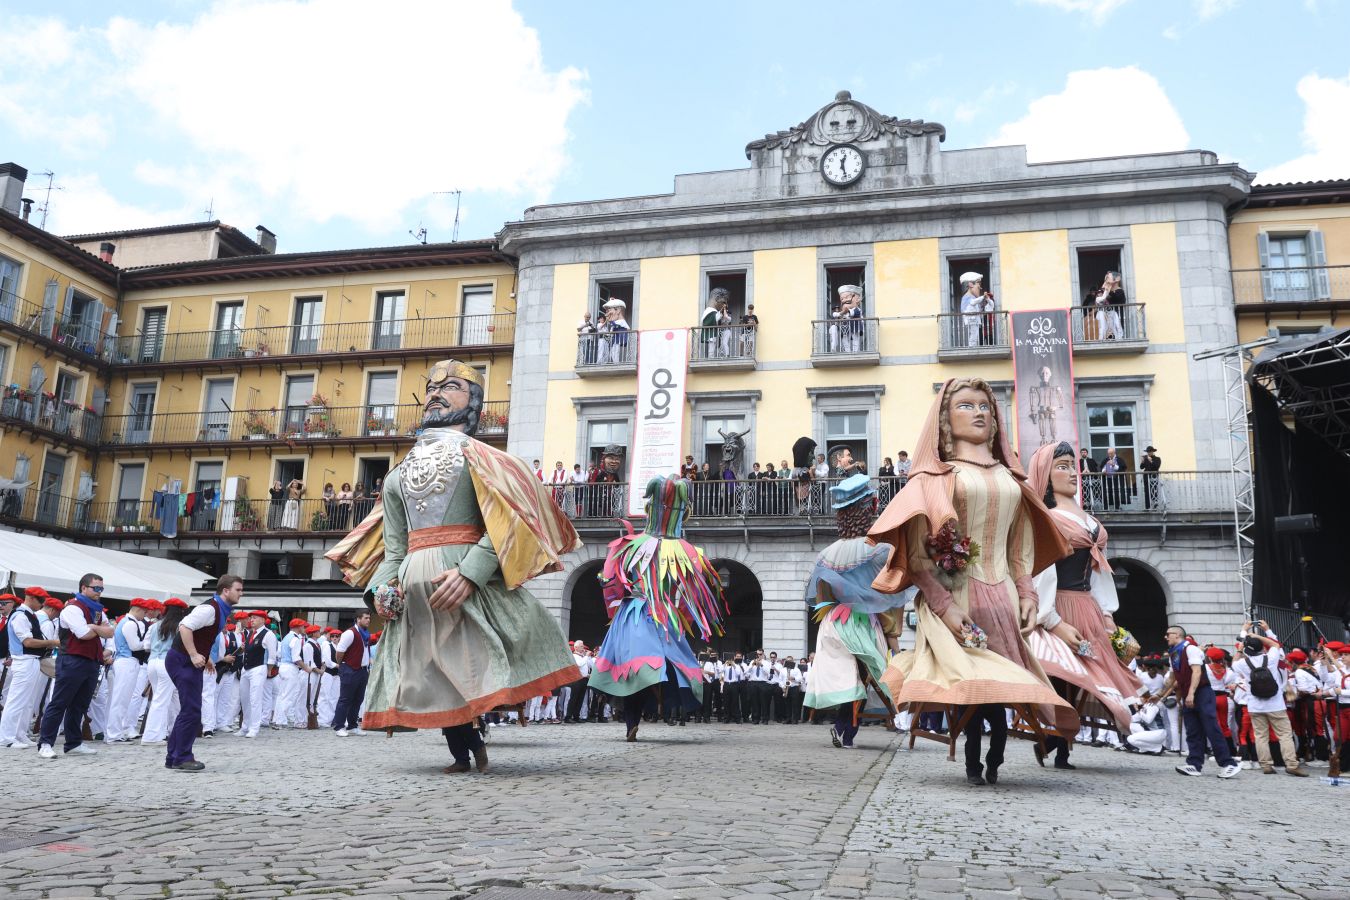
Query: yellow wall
column 908, row 283
column 570, row 303
column 785, row 283
column 1157, row 281
column 669, row 291
column 1034, row 270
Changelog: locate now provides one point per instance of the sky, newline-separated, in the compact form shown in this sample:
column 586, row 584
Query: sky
column 344, row 123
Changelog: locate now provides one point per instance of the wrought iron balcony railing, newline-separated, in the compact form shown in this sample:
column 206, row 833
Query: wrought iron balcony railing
column 844, row 341
column 974, row 334
column 1303, row 284
column 732, row 346
column 78, row 337
column 608, row 351
column 1102, row 327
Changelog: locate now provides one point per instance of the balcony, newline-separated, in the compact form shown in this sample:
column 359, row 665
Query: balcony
column 357, row 341
column 77, row 340
column 1264, row 292
column 722, row 347
column 973, row 336
column 46, row 417
column 292, row 426
column 844, row 342
column 607, row 354
column 1112, row 329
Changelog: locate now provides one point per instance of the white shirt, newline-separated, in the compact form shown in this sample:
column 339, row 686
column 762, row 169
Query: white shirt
column 200, row 616
column 345, row 642
column 733, row 672
column 822, row 470
column 1243, row 669
column 560, row 476
column 72, row 619
column 578, row 477
column 757, row 671
column 777, row 675
column 21, row 626
column 132, row 633
column 1306, row 683
column 296, row 643
column 270, row 645
column 1220, row 684
column 795, row 678
column 584, row 663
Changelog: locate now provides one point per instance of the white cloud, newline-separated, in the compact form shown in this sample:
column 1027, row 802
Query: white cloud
column 312, row 109
column 1100, row 112
column 1326, row 133
column 43, row 68
column 1208, row 9
column 83, row 205
column 1096, row 10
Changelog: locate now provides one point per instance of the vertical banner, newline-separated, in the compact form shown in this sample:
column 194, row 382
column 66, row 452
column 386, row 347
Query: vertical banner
column 663, row 368
column 1042, row 352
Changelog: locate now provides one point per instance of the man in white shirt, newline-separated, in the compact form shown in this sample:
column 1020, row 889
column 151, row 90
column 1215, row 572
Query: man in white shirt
column 577, row 689
column 331, row 683
column 27, row 648
column 260, row 654
column 130, row 653
column 353, row 653
column 84, row 627
column 1259, row 668
column 777, row 690
column 711, row 685
column 735, row 708
column 757, row 687
column 290, row 693
column 189, row 663
column 795, row 680
column 1196, row 699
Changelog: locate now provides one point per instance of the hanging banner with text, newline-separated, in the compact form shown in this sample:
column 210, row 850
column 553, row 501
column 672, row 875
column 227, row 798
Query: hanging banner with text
column 1042, row 352
column 663, row 369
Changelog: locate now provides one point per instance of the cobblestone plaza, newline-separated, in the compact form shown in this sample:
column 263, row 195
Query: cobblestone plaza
column 696, row 812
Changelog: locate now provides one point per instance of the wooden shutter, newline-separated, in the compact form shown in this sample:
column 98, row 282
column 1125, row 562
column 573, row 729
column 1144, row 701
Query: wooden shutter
column 48, row 323
column 1263, row 251
column 1321, row 279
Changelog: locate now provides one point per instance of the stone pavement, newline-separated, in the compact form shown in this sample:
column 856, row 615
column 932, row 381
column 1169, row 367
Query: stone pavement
column 695, row 812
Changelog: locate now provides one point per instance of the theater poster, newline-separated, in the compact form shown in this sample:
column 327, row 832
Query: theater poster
column 1042, row 352
column 663, row 368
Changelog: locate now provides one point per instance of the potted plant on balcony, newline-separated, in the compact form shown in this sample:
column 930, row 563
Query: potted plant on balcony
column 9, row 408
column 245, row 519
column 374, row 425
column 318, row 521
column 257, row 425
column 318, row 403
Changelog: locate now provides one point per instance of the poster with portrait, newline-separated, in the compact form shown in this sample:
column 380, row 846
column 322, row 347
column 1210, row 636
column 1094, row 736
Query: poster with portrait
column 1042, row 349
column 663, row 366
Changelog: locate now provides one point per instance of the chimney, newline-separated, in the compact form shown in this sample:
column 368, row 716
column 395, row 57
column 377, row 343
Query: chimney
column 106, row 251
column 266, row 239
column 27, row 208
column 12, row 177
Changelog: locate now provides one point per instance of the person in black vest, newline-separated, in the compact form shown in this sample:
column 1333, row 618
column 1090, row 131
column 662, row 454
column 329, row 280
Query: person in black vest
column 260, row 655
column 188, row 660
column 353, row 650
column 84, row 627
column 227, row 677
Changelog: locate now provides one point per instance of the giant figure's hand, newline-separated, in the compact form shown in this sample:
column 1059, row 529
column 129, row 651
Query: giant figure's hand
column 955, row 620
column 1068, row 634
column 452, row 590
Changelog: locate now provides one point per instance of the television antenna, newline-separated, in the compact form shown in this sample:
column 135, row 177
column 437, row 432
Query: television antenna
column 47, row 196
column 454, row 233
column 420, row 235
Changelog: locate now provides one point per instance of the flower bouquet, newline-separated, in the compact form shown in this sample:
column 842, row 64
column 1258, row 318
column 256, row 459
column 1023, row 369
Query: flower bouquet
column 973, row 636
column 1126, row 647
column 389, row 602
column 952, row 553
column 1084, row 649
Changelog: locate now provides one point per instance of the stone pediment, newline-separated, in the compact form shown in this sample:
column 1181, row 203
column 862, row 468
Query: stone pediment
column 845, row 121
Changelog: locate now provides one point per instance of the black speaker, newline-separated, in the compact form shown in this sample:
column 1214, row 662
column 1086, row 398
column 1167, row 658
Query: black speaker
column 1296, row 524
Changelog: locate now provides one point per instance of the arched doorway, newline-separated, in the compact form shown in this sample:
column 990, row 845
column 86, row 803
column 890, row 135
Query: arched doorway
column 1143, row 604
column 588, row 620
column 743, row 628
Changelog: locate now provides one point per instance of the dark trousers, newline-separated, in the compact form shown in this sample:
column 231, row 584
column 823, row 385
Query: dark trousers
column 846, row 722
column 461, row 739
column 709, row 692
column 998, row 737
column 794, row 705
column 76, row 681
column 633, row 706
column 733, row 697
column 1060, row 746
column 574, row 701
column 187, row 680
column 1201, row 721
column 761, row 699
column 351, row 693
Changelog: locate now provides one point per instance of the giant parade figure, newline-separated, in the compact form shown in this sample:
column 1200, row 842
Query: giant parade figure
column 464, row 526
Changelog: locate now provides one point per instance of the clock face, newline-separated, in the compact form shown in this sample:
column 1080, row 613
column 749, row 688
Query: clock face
column 842, row 165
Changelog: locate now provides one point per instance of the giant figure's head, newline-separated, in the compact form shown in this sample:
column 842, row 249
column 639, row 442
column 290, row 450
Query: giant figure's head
column 454, row 397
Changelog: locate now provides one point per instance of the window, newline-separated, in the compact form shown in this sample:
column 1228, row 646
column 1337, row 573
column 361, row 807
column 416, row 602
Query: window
column 142, row 406
column 381, row 399
column 306, row 323
column 734, row 283
column 66, row 385
column 1112, row 426
column 288, row 470
column 476, row 317
column 152, row 335
column 835, row 276
column 958, row 266
column 390, row 311
column 712, row 438
column 216, row 416
column 131, row 480
column 600, row 434
column 9, row 289
column 1093, row 264
column 1293, row 267
column 372, row 469
column 846, row 429
column 299, row 388
column 49, row 488
column 84, row 318
column 4, row 364
column 229, row 328
column 207, row 484
column 618, row 289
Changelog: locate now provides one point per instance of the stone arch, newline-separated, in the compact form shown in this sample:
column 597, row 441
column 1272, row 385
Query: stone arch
column 743, row 627
column 1145, row 600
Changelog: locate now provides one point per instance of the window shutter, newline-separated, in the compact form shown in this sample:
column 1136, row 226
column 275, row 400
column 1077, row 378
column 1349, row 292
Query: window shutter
column 1321, row 274
column 1263, row 252
column 110, row 341
column 64, row 313
column 48, row 323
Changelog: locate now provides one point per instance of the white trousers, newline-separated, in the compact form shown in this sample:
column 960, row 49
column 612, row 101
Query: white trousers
column 163, row 705
column 24, row 686
column 328, row 698
column 98, row 706
column 227, row 700
column 1174, row 739
column 1148, row 740
column 122, row 709
column 253, row 695
column 208, row 701
column 973, row 334
column 290, row 697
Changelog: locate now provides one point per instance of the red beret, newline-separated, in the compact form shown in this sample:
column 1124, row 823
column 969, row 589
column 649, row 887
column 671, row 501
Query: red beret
column 34, row 591
column 298, row 623
column 240, row 614
column 1333, row 646
column 332, row 630
column 1215, row 653
column 229, row 626
column 54, row 603
column 312, row 629
column 260, row 614
column 1298, row 656
column 175, row 602
column 8, row 598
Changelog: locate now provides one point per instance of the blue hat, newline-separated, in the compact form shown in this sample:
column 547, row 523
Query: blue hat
column 850, row 491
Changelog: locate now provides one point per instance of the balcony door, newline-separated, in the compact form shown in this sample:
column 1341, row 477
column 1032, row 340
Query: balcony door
column 299, row 388
column 129, row 488
column 152, row 335
column 477, row 315
column 9, row 289
column 49, row 488
column 229, row 330
column 390, row 310
column 216, row 418
column 142, row 413
column 381, row 400
column 306, row 324
column 207, row 485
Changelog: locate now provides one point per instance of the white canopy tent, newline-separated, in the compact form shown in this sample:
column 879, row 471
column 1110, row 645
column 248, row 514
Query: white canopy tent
column 56, row 565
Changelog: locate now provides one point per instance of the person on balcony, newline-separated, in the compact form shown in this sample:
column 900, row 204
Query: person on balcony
column 344, row 506
column 1087, row 474
column 606, row 495
column 749, row 324
column 290, row 515
column 1150, row 465
column 275, row 506
column 586, row 336
column 613, row 344
column 976, row 305
column 713, row 325
column 850, row 313
column 1107, row 304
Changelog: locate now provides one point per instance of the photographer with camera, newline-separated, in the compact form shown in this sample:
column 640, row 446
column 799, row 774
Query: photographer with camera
column 1263, row 670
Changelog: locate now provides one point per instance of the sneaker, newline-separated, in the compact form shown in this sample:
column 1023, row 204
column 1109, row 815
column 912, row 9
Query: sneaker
column 83, row 750
column 19, row 744
column 341, row 732
column 1230, row 771
column 190, row 765
column 160, row 741
column 251, row 734
column 46, row 752
column 207, row 734
column 1297, row 772
column 1188, row 769
column 357, row 732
